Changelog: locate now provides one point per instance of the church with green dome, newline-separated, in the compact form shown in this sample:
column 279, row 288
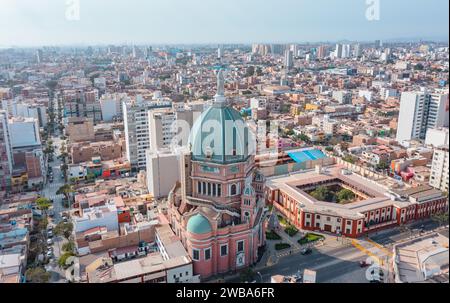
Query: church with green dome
column 215, row 209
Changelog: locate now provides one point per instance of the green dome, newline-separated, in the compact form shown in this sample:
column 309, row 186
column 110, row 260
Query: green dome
column 220, row 135
column 198, row 224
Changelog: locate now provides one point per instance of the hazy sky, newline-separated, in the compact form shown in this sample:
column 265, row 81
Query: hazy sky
column 43, row 22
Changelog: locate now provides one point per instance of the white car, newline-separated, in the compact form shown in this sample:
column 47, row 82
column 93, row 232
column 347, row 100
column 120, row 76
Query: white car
column 49, row 242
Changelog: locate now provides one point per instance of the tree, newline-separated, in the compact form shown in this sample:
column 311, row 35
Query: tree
column 322, row 193
column 304, row 138
column 247, row 275
column 63, row 260
column 65, row 190
column 349, row 159
column 37, row 275
column 64, row 229
column 250, row 71
column 345, row 195
column 43, row 203
column 259, row 71
column 69, row 247
column 441, row 218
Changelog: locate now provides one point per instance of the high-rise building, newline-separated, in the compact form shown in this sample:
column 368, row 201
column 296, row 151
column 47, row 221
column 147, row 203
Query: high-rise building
column 346, row 51
column 39, row 56
column 137, row 135
column 321, row 52
column 357, row 51
column 439, row 168
column 420, row 111
column 6, row 156
column 378, row 44
column 220, row 52
column 338, row 51
column 288, row 59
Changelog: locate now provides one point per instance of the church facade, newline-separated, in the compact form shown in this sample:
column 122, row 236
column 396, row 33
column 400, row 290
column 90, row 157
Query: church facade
column 215, row 209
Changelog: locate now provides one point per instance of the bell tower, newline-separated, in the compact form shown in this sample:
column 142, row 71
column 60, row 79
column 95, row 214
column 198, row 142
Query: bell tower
column 248, row 204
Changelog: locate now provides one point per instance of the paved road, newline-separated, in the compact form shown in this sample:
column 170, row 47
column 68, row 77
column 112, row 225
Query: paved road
column 49, row 191
column 332, row 265
column 391, row 236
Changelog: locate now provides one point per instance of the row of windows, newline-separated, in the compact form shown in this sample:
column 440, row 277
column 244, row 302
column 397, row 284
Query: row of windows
column 209, row 189
column 207, row 252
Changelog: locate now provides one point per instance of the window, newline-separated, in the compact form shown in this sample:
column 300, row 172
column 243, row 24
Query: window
column 347, row 231
column 187, row 273
column 199, row 187
column 317, row 217
column 328, row 219
column 208, row 254
column 308, row 216
column 233, row 190
column 219, row 190
column 223, row 250
column 240, row 246
column 318, row 225
column 195, row 254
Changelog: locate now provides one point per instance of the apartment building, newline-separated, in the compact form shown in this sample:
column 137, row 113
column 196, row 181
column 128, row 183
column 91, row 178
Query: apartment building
column 137, row 134
column 419, row 112
column 439, row 168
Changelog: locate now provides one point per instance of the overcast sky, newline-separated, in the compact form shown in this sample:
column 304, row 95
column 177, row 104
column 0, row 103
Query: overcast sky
column 44, row 22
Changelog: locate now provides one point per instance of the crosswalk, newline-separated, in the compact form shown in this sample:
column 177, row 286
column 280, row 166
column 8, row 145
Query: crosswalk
column 55, row 197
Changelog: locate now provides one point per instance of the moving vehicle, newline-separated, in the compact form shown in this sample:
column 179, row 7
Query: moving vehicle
column 306, row 251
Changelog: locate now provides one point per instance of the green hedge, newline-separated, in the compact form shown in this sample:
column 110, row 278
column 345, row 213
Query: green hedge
column 291, row 230
column 280, row 246
column 310, row 237
column 271, row 235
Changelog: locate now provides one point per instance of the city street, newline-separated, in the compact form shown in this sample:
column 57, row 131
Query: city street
column 49, row 191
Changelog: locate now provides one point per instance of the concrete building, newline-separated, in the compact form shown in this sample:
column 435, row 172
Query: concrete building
column 420, row 111
column 80, row 129
column 137, row 134
column 6, row 156
column 439, row 168
column 24, row 132
column 437, row 137
column 162, row 172
column 111, row 106
column 98, row 216
column 373, row 206
column 342, row 97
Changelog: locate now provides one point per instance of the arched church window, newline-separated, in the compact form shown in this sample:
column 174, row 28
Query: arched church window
column 233, row 190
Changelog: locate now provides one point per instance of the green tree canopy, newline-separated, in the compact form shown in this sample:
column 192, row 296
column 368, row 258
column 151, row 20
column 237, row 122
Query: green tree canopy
column 37, row 275
column 43, row 203
column 322, row 193
column 64, row 229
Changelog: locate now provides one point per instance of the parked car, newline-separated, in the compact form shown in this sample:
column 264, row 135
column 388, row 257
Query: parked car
column 50, row 241
column 50, row 234
column 49, row 254
column 363, row 264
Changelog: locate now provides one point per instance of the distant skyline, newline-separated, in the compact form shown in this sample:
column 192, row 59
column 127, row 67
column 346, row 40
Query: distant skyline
column 44, row 22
